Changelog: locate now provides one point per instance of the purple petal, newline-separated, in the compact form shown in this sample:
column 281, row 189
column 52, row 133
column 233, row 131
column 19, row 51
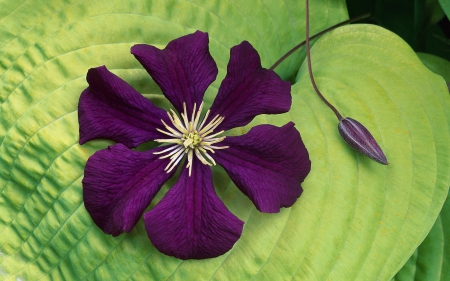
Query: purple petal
column 267, row 164
column 110, row 108
column 191, row 222
column 249, row 90
column 183, row 70
column 119, row 184
column 361, row 140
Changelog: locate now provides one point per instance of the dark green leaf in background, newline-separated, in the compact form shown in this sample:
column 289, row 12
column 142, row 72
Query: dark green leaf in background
column 445, row 4
column 436, row 64
column 431, row 260
column 421, row 23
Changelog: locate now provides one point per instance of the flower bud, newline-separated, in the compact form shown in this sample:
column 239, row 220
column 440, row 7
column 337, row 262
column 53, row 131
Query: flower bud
column 360, row 139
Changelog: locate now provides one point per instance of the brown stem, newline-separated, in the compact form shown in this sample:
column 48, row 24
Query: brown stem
column 308, row 57
column 317, row 35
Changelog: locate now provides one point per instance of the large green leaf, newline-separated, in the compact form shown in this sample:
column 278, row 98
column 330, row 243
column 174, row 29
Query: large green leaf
column 356, row 219
column 431, row 260
column 46, row 48
column 368, row 217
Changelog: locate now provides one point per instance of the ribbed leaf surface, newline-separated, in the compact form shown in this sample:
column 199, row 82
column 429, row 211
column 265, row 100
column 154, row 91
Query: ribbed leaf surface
column 356, row 219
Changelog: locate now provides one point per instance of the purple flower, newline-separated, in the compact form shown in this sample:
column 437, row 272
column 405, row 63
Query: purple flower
column 268, row 163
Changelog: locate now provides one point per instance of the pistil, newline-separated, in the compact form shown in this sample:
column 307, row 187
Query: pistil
column 188, row 137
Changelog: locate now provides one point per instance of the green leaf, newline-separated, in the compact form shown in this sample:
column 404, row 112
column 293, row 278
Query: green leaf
column 356, row 218
column 436, row 64
column 414, row 21
column 409, row 19
column 434, row 12
column 365, row 219
column 46, row 48
column 431, row 260
column 445, row 4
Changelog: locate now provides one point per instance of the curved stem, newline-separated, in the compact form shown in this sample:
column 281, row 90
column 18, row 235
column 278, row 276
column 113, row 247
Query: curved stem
column 290, row 52
column 308, row 57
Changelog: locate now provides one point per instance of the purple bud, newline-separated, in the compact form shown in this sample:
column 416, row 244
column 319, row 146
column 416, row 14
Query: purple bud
column 360, row 139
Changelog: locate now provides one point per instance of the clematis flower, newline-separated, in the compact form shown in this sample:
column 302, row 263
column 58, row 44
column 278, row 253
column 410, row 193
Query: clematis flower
column 267, row 164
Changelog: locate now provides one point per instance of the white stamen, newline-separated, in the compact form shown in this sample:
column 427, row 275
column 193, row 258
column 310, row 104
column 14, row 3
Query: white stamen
column 208, row 148
column 216, row 147
column 197, row 118
column 212, row 141
column 201, row 158
column 204, row 120
column 175, row 162
column 210, row 124
column 173, row 131
column 184, row 116
column 167, row 133
column 189, row 165
column 165, row 150
column 188, row 137
column 191, row 124
column 207, row 155
column 170, row 141
column 177, row 122
column 176, row 151
column 218, row 122
column 212, row 136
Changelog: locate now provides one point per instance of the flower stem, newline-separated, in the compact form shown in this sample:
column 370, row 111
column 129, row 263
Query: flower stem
column 290, row 52
column 308, row 57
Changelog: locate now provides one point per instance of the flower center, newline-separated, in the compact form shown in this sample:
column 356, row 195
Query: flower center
column 190, row 137
column 191, row 140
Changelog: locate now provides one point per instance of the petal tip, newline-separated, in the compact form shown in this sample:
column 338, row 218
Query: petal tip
column 268, row 164
column 191, row 222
